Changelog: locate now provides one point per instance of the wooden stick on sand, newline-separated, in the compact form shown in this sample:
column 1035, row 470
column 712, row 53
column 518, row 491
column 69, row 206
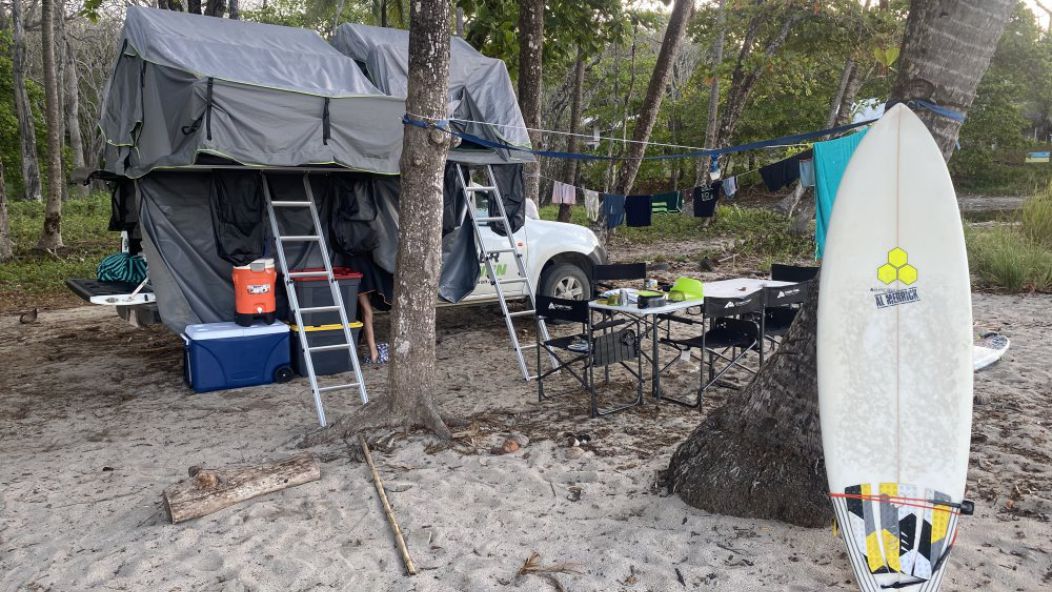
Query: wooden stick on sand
column 409, row 568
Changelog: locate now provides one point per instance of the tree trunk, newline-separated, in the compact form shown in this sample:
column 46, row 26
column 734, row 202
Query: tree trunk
column 760, row 455
column 701, row 176
column 677, row 26
column 945, row 52
column 411, row 379
column 214, row 8
column 841, row 91
column 531, row 46
column 575, row 120
column 460, row 21
column 27, row 135
column 6, row 246
column 336, row 18
column 234, row 11
column 847, row 101
column 193, row 6
column 51, row 237
column 71, row 82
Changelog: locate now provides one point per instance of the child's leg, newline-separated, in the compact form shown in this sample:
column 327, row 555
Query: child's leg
column 367, row 320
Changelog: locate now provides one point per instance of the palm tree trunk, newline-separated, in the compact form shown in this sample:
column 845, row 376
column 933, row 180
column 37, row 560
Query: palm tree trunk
column 945, row 52
column 27, row 135
column 531, row 47
column 760, row 454
column 51, row 237
column 677, row 26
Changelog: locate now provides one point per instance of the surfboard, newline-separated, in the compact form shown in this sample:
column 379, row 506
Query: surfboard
column 895, row 358
column 988, row 349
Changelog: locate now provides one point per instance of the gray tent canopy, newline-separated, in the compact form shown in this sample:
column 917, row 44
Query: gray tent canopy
column 198, row 108
column 186, row 85
column 479, row 87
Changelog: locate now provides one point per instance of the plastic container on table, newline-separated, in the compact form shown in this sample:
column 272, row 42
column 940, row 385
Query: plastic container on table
column 227, row 355
column 326, row 362
column 254, row 292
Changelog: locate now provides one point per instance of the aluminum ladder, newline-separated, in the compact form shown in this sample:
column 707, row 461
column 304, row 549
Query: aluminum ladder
column 280, row 240
column 478, row 221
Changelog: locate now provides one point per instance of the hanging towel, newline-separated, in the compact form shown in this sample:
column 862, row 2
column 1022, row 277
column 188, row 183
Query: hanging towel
column 831, row 159
column 807, row 173
column 730, row 187
column 563, row 193
column 783, row 172
column 638, row 209
column 613, row 209
column 705, row 198
column 591, row 204
column 664, row 203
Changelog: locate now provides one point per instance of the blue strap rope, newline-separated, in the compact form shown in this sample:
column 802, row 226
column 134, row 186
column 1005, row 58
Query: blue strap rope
column 443, row 125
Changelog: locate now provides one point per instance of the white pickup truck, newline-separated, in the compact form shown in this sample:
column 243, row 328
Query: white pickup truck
column 558, row 256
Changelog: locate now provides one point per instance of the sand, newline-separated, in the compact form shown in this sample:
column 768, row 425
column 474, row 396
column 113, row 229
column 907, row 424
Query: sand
column 95, row 422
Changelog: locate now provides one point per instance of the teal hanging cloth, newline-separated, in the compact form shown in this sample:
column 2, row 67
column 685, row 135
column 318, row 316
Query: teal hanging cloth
column 831, row 159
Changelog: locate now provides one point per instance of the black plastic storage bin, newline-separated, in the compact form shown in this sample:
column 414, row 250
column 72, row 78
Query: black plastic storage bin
column 315, row 292
column 326, row 362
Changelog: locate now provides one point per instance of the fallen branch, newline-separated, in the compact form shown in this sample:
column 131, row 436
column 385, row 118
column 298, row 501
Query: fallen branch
column 211, row 490
column 409, row 568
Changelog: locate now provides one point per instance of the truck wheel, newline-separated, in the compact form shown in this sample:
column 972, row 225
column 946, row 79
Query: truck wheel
column 567, row 281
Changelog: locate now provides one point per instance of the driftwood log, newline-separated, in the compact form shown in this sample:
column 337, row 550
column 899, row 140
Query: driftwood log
column 211, row 490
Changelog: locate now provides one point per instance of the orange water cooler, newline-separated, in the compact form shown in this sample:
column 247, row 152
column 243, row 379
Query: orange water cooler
column 254, row 292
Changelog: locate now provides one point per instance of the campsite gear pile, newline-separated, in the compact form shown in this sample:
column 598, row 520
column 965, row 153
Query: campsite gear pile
column 227, row 355
column 254, row 297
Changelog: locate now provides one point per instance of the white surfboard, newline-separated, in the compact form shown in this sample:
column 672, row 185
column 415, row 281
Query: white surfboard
column 895, row 358
column 988, row 349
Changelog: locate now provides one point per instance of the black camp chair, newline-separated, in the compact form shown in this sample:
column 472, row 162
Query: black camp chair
column 586, row 350
column 793, row 273
column 733, row 327
column 780, row 307
column 602, row 275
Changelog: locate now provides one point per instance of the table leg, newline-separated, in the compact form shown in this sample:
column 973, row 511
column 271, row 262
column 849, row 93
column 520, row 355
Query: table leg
column 654, row 362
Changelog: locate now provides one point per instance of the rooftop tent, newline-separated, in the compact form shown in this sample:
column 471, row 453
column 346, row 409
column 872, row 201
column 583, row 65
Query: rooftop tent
column 193, row 102
column 480, row 89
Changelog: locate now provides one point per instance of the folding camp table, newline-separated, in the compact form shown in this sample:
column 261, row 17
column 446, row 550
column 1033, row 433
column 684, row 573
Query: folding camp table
column 732, row 288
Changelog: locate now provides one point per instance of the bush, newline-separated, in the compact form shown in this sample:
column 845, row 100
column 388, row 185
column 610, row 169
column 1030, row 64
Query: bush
column 1005, row 257
column 1036, row 218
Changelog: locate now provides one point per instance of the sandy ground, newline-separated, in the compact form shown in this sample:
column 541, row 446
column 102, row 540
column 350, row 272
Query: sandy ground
column 95, row 422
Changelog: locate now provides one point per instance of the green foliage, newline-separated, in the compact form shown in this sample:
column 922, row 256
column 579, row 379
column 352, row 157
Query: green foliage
column 32, row 274
column 1016, row 255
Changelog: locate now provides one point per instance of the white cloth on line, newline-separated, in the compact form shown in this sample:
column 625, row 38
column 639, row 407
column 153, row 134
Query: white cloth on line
column 563, row 193
column 591, row 204
column 730, row 187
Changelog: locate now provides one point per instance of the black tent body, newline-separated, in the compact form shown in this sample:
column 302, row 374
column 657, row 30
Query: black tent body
column 200, row 111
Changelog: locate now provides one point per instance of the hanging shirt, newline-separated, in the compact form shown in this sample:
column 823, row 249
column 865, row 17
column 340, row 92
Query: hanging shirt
column 783, row 172
column 831, row 159
column 807, row 173
column 613, row 209
column 563, row 193
column 638, row 209
column 663, row 203
column 730, row 187
column 705, row 198
column 591, row 204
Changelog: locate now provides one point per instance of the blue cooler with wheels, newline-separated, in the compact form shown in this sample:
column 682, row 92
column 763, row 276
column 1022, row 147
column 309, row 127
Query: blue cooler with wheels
column 227, row 355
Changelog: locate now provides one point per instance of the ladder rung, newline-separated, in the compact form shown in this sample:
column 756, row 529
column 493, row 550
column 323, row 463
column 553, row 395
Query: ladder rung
column 504, row 250
column 299, row 238
column 521, row 313
column 482, row 188
column 337, row 387
column 317, row 274
column 489, row 219
column 325, row 348
column 332, row 308
column 528, row 346
column 290, row 204
column 518, row 280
